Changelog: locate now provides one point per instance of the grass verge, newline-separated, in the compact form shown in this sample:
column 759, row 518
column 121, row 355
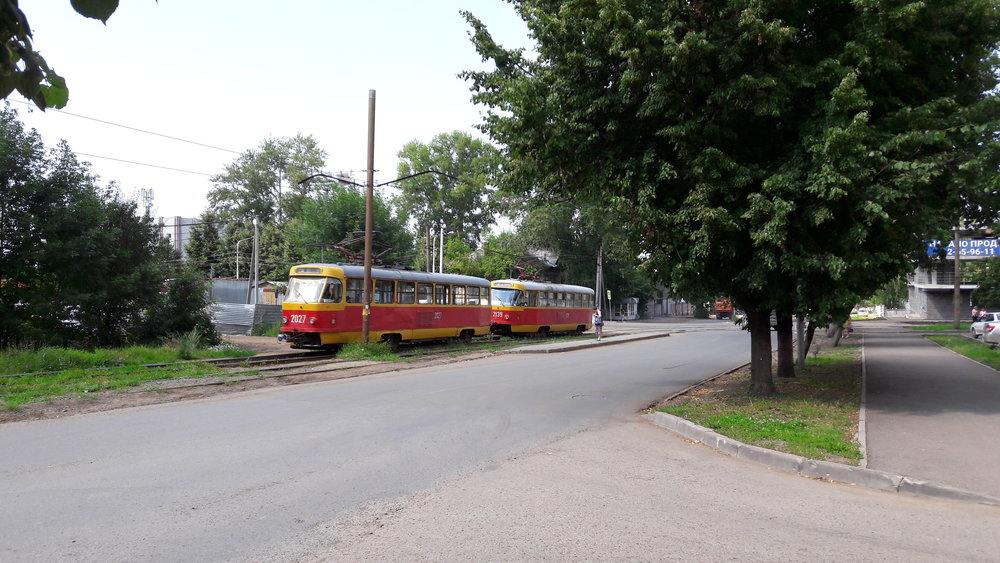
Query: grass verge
column 58, row 359
column 974, row 349
column 940, row 327
column 814, row 415
column 66, row 371
column 16, row 391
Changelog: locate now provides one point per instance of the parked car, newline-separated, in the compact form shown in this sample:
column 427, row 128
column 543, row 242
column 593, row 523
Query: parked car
column 991, row 332
column 979, row 328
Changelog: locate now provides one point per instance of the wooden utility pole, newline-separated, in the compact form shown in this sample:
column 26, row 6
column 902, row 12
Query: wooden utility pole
column 366, row 313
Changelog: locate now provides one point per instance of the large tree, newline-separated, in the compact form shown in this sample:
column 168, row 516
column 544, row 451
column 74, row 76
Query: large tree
column 264, row 182
column 77, row 263
column 205, row 251
column 790, row 155
column 458, row 197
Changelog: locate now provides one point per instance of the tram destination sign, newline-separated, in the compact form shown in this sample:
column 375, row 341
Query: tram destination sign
column 971, row 249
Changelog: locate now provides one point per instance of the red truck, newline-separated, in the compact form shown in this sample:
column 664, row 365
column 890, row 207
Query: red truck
column 723, row 309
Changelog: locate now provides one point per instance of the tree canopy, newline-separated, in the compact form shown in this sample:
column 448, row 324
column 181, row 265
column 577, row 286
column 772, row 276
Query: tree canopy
column 790, row 155
column 77, row 263
column 459, row 197
column 264, row 182
column 333, row 212
column 987, row 294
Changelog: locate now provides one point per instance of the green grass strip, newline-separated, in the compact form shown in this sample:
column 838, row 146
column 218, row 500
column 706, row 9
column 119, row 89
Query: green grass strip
column 812, row 415
column 940, row 327
column 16, row 391
column 974, row 349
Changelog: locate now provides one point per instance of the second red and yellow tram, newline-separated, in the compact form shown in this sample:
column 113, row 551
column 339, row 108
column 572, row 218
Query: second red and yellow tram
column 525, row 307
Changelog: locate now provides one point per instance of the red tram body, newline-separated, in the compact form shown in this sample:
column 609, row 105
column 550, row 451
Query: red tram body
column 523, row 307
column 323, row 305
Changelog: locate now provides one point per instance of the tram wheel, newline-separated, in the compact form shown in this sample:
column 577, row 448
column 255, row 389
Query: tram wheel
column 393, row 341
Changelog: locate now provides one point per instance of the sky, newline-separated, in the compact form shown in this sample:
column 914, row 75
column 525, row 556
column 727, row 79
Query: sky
column 190, row 84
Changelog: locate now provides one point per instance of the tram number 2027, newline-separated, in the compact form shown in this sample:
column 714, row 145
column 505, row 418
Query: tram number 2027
column 298, row 318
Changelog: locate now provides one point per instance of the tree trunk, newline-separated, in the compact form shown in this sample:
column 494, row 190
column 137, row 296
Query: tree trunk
column 835, row 332
column 786, row 356
column 761, row 382
column 800, row 337
column 810, row 334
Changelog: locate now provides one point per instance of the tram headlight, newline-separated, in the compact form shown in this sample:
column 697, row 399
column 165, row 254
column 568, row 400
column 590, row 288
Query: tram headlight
column 506, row 317
column 284, row 320
column 312, row 320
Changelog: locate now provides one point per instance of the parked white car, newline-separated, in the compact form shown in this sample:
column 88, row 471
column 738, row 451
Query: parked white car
column 991, row 330
column 979, row 328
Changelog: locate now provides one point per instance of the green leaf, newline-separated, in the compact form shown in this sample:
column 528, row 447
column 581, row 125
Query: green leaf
column 96, row 9
column 57, row 94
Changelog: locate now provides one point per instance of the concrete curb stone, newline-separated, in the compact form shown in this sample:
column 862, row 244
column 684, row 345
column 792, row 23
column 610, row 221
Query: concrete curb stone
column 580, row 344
column 812, row 469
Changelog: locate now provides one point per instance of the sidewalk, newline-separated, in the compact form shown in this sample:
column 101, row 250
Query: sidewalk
column 930, row 413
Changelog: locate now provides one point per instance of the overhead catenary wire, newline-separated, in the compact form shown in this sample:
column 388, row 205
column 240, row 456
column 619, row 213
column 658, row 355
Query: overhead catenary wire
column 63, row 112
column 143, row 164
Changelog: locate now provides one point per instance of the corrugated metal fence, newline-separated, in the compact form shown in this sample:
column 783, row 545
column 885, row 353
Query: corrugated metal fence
column 235, row 318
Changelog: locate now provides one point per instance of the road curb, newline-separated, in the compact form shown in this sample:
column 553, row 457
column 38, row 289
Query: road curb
column 812, row 469
column 571, row 346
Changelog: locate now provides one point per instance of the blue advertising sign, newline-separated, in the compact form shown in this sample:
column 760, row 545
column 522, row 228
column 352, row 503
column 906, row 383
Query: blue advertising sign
column 968, row 249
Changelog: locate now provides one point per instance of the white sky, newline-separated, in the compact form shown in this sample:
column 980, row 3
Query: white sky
column 231, row 73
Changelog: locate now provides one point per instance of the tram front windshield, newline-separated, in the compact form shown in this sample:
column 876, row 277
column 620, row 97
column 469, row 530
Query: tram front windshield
column 507, row 297
column 305, row 290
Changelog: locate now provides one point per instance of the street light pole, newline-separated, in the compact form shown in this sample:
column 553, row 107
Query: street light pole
column 369, row 220
column 238, row 255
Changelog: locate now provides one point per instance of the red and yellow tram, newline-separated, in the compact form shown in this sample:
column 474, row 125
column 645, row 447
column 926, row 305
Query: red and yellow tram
column 323, row 305
column 522, row 307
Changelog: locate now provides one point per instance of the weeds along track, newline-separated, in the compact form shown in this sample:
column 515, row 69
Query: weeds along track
column 314, row 365
column 260, row 360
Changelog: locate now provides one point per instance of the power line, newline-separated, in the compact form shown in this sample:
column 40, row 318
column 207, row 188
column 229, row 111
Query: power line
column 145, row 164
column 135, row 129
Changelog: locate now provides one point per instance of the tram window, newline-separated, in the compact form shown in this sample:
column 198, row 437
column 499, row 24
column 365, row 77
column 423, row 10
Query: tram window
column 441, row 294
column 553, row 299
column 578, row 301
column 474, row 292
column 532, row 298
column 305, row 289
column 355, row 290
column 506, row 297
column 405, row 292
column 384, row 290
column 458, row 295
column 425, row 292
column 333, row 291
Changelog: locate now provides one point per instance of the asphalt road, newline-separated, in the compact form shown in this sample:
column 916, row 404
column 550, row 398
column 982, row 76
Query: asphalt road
column 630, row 491
column 234, row 477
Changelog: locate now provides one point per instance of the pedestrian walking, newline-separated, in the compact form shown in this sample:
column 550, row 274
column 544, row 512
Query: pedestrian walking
column 598, row 322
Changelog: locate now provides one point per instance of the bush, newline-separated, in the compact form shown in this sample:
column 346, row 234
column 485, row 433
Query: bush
column 182, row 309
column 186, row 344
